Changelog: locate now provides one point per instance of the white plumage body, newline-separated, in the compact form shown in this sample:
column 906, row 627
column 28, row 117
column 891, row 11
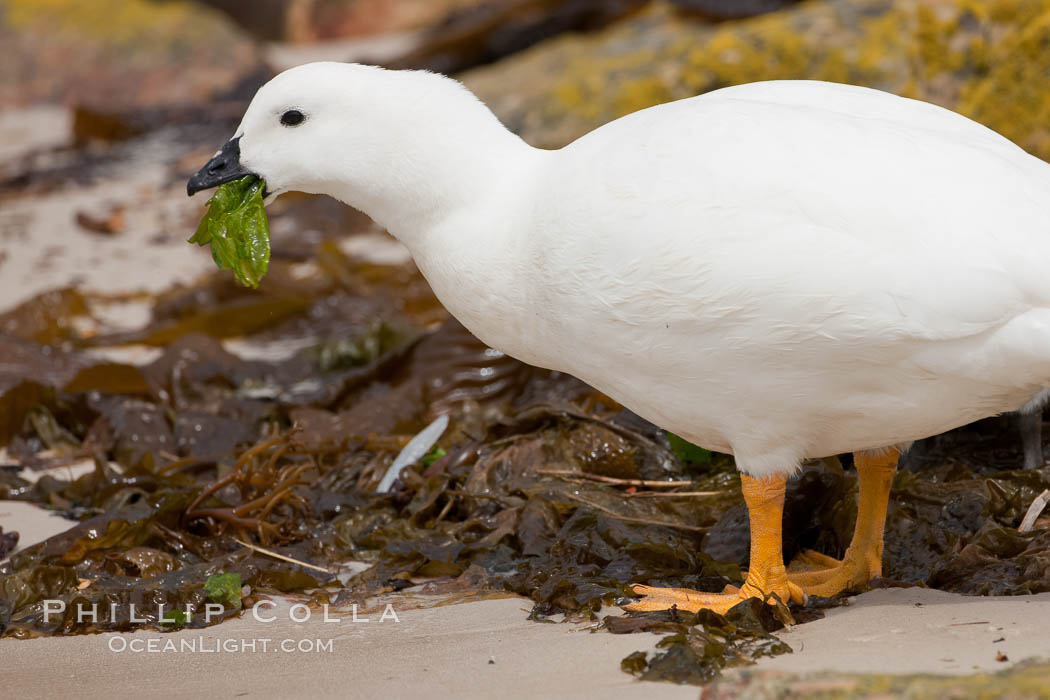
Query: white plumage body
column 783, row 270
column 779, row 270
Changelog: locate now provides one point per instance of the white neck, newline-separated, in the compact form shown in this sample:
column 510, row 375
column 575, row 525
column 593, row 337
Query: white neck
column 427, row 160
column 444, row 153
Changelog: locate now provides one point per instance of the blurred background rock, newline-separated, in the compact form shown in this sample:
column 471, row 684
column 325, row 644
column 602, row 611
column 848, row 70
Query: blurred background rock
column 88, row 88
column 553, row 69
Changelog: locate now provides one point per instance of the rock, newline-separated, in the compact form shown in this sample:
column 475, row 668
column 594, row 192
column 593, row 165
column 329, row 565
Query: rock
column 108, row 220
column 956, row 53
column 314, row 20
column 111, row 55
column 498, row 28
column 263, row 19
column 447, row 36
column 732, row 9
column 94, row 125
column 1014, row 98
column 8, row 542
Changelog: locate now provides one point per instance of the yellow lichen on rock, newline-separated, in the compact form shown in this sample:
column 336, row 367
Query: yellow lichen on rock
column 986, row 58
column 580, row 82
column 644, row 91
column 1014, row 98
column 112, row 20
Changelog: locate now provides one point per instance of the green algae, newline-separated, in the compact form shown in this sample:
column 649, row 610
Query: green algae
column 687, row 451
column 224, row 588
column 236, row 228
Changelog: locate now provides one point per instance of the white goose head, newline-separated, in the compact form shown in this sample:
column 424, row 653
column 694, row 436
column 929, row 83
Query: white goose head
column 405, row 147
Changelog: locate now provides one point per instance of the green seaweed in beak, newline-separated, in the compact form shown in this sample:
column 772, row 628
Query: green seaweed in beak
column 237, row 229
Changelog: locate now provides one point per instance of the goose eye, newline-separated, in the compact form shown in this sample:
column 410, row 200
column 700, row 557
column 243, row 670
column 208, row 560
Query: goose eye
column 292, row 117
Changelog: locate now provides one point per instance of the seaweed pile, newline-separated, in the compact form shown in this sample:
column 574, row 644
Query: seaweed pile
column 541, row 486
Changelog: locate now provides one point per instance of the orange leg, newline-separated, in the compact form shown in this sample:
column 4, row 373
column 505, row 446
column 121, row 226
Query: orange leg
column 821, row 575
column 765, row 505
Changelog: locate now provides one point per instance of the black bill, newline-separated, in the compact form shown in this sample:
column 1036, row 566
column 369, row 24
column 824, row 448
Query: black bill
column 224, row 167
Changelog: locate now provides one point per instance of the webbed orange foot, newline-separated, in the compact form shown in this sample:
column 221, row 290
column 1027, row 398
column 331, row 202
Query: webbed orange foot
column 694, row 601
column 820, row 575
column 765, row 503
column 824, row 576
